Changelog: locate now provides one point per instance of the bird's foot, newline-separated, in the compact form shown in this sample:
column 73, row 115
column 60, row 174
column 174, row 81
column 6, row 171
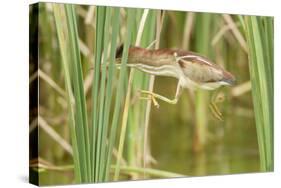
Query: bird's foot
column 150, row 97
column 217, row 97
column 154, row 96
column 215, row 111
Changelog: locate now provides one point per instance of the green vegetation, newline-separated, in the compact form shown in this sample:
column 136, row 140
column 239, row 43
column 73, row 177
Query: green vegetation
column 259, row 32
column 95, row 128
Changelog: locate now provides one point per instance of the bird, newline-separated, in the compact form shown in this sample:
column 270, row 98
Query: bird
column 192, row 70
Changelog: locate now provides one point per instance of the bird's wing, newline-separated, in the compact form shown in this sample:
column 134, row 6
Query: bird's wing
column 201, row 71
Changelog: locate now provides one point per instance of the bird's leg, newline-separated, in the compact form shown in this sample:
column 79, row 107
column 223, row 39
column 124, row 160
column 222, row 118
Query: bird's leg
column 154, row 96
column 213, row 106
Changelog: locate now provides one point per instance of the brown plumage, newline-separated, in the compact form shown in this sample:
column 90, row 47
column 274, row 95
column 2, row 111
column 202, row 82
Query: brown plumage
column 192, row 69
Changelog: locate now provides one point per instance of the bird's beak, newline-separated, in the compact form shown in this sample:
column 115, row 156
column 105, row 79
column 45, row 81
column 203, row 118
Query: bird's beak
column 230, row 81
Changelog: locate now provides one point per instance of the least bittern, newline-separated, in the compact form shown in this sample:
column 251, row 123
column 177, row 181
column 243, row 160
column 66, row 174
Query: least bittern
column 191, row 69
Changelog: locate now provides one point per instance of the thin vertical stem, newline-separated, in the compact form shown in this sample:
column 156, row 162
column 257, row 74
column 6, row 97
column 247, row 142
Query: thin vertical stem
column 259, row 37
column 131, row 16
column 100, row 16
column 111, row 72
column 159, row 24
column 77, row 74
column 62, row 33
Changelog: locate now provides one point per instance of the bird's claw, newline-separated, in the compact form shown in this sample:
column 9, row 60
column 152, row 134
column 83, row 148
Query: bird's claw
column 155, row 103
column 151, row 97
column 215, row 111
